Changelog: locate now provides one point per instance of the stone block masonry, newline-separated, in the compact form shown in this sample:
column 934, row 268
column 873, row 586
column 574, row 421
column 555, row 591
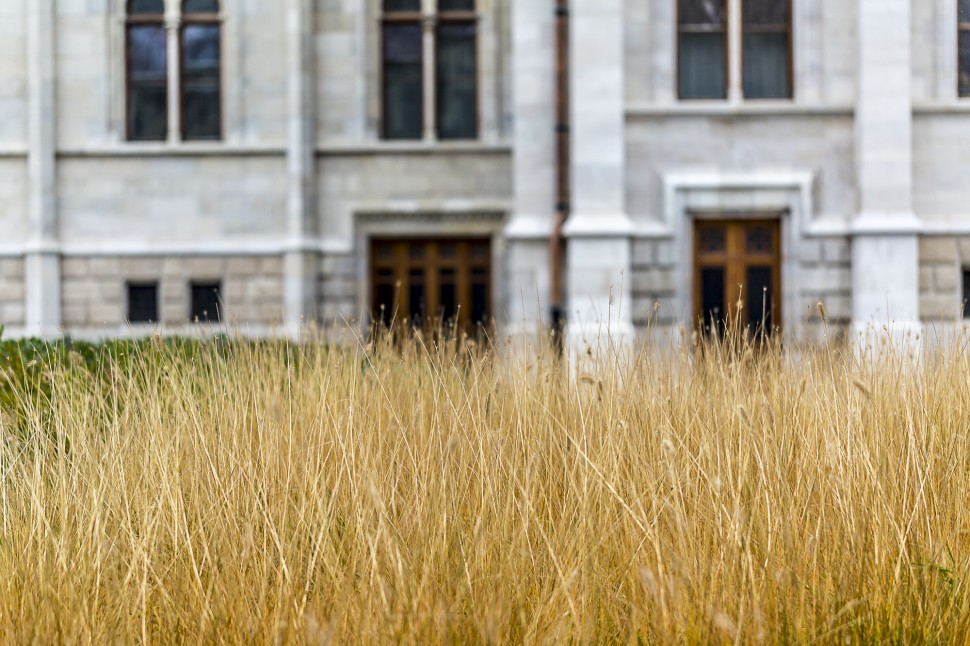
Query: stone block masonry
column 95, row 289
column 11, row 292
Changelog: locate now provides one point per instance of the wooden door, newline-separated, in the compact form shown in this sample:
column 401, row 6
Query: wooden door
column 737, row 275
column 424, row 283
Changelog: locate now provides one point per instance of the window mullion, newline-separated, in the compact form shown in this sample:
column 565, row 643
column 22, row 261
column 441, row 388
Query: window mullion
column 735, row 45
column 429, row 76
column 173, row 23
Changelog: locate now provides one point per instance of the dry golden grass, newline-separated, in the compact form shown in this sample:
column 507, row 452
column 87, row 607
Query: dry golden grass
column 427, row 495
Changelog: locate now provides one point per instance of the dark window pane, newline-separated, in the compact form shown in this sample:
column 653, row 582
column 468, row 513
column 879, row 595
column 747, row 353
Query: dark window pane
column 141, row 7
column 965, row 305
column 201, row 109
column 147, row 83
column 964, row 10
column 403, row 92
column 766, row 66
column 480, row 307
column 759, row 239
column 765, row 12
column 965, row 63
column 142, row 302
column 759, row 288
column 480, row 250
column 702, row 12
column 448, row 290
column 456, row 5
column 457, row 87
column 702, row 71
column 712, row 298
column 385, row 291
column 206, row 302
column 147, row 58
column 417, row 294
column 447, row 251
column 147, row 112
column 713, row 239
column 402, row 5
column 200, row 6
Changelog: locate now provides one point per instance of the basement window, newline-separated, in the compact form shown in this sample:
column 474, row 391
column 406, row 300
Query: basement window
column 206, row 302
column 143, row 302
column 965, row 306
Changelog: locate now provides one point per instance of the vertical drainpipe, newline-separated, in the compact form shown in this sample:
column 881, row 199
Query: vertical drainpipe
column 563, row 189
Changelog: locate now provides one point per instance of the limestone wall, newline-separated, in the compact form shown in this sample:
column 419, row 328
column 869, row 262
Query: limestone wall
column 171, row 198
column 94, row 294
column 11, row 292
column 13, row 74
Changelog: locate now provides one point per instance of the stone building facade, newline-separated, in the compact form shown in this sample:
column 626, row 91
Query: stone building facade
column 841, row 135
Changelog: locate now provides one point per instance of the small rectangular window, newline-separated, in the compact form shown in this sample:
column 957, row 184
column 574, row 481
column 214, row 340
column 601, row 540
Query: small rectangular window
column 702, row 49
column 206, row 302
column 966, row 293
column 143, row 302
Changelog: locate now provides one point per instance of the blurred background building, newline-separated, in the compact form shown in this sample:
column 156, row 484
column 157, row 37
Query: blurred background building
column 277, row 162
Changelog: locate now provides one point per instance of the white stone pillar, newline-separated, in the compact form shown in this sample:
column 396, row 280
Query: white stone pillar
column 43, row 267
column 533, row 163
column 599, row 230
column 301, row 261
column 885, row 244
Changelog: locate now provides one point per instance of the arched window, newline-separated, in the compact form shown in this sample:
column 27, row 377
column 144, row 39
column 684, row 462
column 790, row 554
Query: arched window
column 147, row 71
column 195, row 80
column 201, row 56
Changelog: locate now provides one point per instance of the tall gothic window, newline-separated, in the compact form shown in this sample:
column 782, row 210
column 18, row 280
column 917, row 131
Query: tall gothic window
column 767, row 49
column 201, row 49
column 147, row 71
column 449, row 37
column 195, row 81
column 964, row 47
column 704, row 33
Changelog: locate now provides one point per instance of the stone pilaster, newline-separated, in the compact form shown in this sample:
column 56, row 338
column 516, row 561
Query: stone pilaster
column 300, row 262
column 42, row 262
column 533, row 164
column 885, row 245
column 599, row 231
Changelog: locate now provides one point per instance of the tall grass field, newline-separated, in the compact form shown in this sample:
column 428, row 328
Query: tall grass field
column 223, row 491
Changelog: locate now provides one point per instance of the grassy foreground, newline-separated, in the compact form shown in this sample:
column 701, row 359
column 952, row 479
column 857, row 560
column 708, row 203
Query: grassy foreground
column 233, row 492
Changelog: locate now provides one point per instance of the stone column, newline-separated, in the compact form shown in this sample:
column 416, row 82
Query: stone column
column 885, row 245
column 599, row 230
column 533, row 163
column 42, row 261
column 301, row 260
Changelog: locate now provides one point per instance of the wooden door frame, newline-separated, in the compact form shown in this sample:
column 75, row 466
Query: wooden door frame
column 464, row 265
column 735, row 267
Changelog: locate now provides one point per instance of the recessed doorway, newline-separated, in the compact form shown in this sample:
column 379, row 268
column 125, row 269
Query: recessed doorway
column 430, row 282
column 737, row 262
